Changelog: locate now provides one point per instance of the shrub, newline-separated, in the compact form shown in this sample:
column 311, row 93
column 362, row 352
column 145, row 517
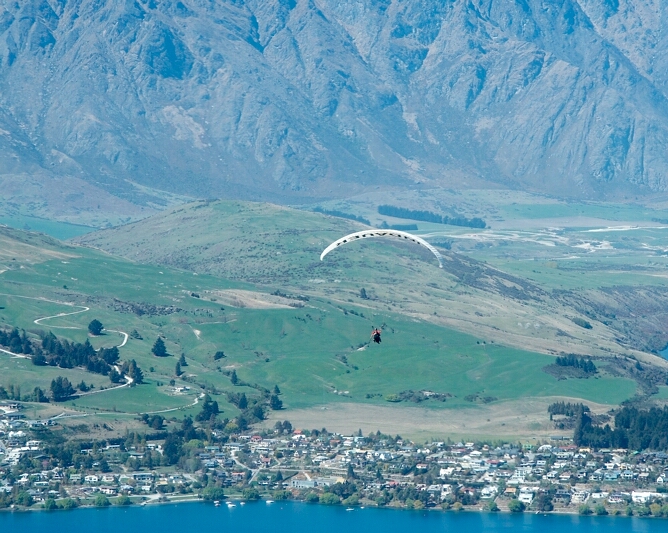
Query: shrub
column 213, row 493
column 123, row 500
column 50, row 504
column 516, row 506
column 101, row 501
column 329, row 499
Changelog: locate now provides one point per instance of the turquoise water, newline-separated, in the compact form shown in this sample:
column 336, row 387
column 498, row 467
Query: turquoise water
column 59, row 230
column 288, row 517
column 664, row 353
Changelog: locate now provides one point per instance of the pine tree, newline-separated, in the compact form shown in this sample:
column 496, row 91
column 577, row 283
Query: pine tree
column 178, row 370
column 159, row 349
column 275, row 403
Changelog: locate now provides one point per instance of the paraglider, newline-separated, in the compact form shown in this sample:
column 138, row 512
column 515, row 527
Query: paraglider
column 383, row 233
column 375, row 335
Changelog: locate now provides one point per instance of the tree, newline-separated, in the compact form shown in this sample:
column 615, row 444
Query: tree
column 250, row 494
column 135, row 372
column 177, row 369
column 82, row 386
column 110, row 355
column 363, row 294
column 61, row 389
column 275, row 403
column 277, row 391
column 182, row 360
column 39, row 396
column 516, row 506
column 25, row 499
column 218, row 355
column 209, row 409
column 50, row 504
column 243, row 401
column 213, row 494
column 114, row 376
column 233, row 377
column 159, row 349
column 123, row 499
column 328, row 498
column 101, row 501
column 95, row 327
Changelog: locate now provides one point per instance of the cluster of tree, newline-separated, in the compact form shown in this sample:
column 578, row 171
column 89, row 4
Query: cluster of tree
column 567, row 409
column 61, row 389
column 156, row 422
column 635, row 429
column 341, row 214
column 209, row 410
column 586, row 365
column 16, row 342
column 429, row 216
column 65, row 354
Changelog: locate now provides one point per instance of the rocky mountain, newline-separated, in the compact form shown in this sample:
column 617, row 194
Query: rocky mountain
column 298, row 100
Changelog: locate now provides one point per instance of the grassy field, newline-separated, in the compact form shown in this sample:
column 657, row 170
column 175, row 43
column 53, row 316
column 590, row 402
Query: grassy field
column 312, row 352
column 482, row 327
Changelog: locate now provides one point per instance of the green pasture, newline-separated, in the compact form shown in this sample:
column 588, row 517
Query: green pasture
column 21, row 372
column 303, row 352
column 139, row 399
column 311, row 353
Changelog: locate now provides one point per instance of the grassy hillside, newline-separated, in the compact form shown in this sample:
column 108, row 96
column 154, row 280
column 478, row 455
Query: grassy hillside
column 278, row 248
column 316, row 349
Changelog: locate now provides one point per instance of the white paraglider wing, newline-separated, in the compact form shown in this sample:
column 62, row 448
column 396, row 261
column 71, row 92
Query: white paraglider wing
column 383, row 233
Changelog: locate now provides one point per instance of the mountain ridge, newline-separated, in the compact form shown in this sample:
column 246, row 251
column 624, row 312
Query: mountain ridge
column 298, row 101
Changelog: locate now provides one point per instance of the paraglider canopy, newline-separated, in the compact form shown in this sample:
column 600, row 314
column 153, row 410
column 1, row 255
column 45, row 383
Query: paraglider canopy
column 383, row 233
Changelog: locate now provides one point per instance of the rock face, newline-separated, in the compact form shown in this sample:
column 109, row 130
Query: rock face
column 290, row 100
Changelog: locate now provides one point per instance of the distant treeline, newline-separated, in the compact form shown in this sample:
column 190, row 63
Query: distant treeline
column 428, row 216
column 567, row 409
column 635, row 429
column 583, row 364
column 341, row 214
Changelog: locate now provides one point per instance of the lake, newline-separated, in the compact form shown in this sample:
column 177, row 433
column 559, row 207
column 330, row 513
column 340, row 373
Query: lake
column 291, row 517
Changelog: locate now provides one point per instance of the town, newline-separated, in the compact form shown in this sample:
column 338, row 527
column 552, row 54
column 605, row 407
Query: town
column 317, row 466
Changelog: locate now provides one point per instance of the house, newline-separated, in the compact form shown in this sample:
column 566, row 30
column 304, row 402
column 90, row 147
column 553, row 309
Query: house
column 526, row 497
column 580, row 496
column 91, row 479
column 562, row 496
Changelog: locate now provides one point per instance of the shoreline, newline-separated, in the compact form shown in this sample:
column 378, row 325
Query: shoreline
column 234, row 498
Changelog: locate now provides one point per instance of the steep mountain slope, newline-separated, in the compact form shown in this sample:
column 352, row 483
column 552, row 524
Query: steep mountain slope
column 295, row 99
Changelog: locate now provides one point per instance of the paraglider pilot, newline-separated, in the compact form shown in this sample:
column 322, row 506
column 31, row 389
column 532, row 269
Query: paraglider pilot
column 375, row 335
